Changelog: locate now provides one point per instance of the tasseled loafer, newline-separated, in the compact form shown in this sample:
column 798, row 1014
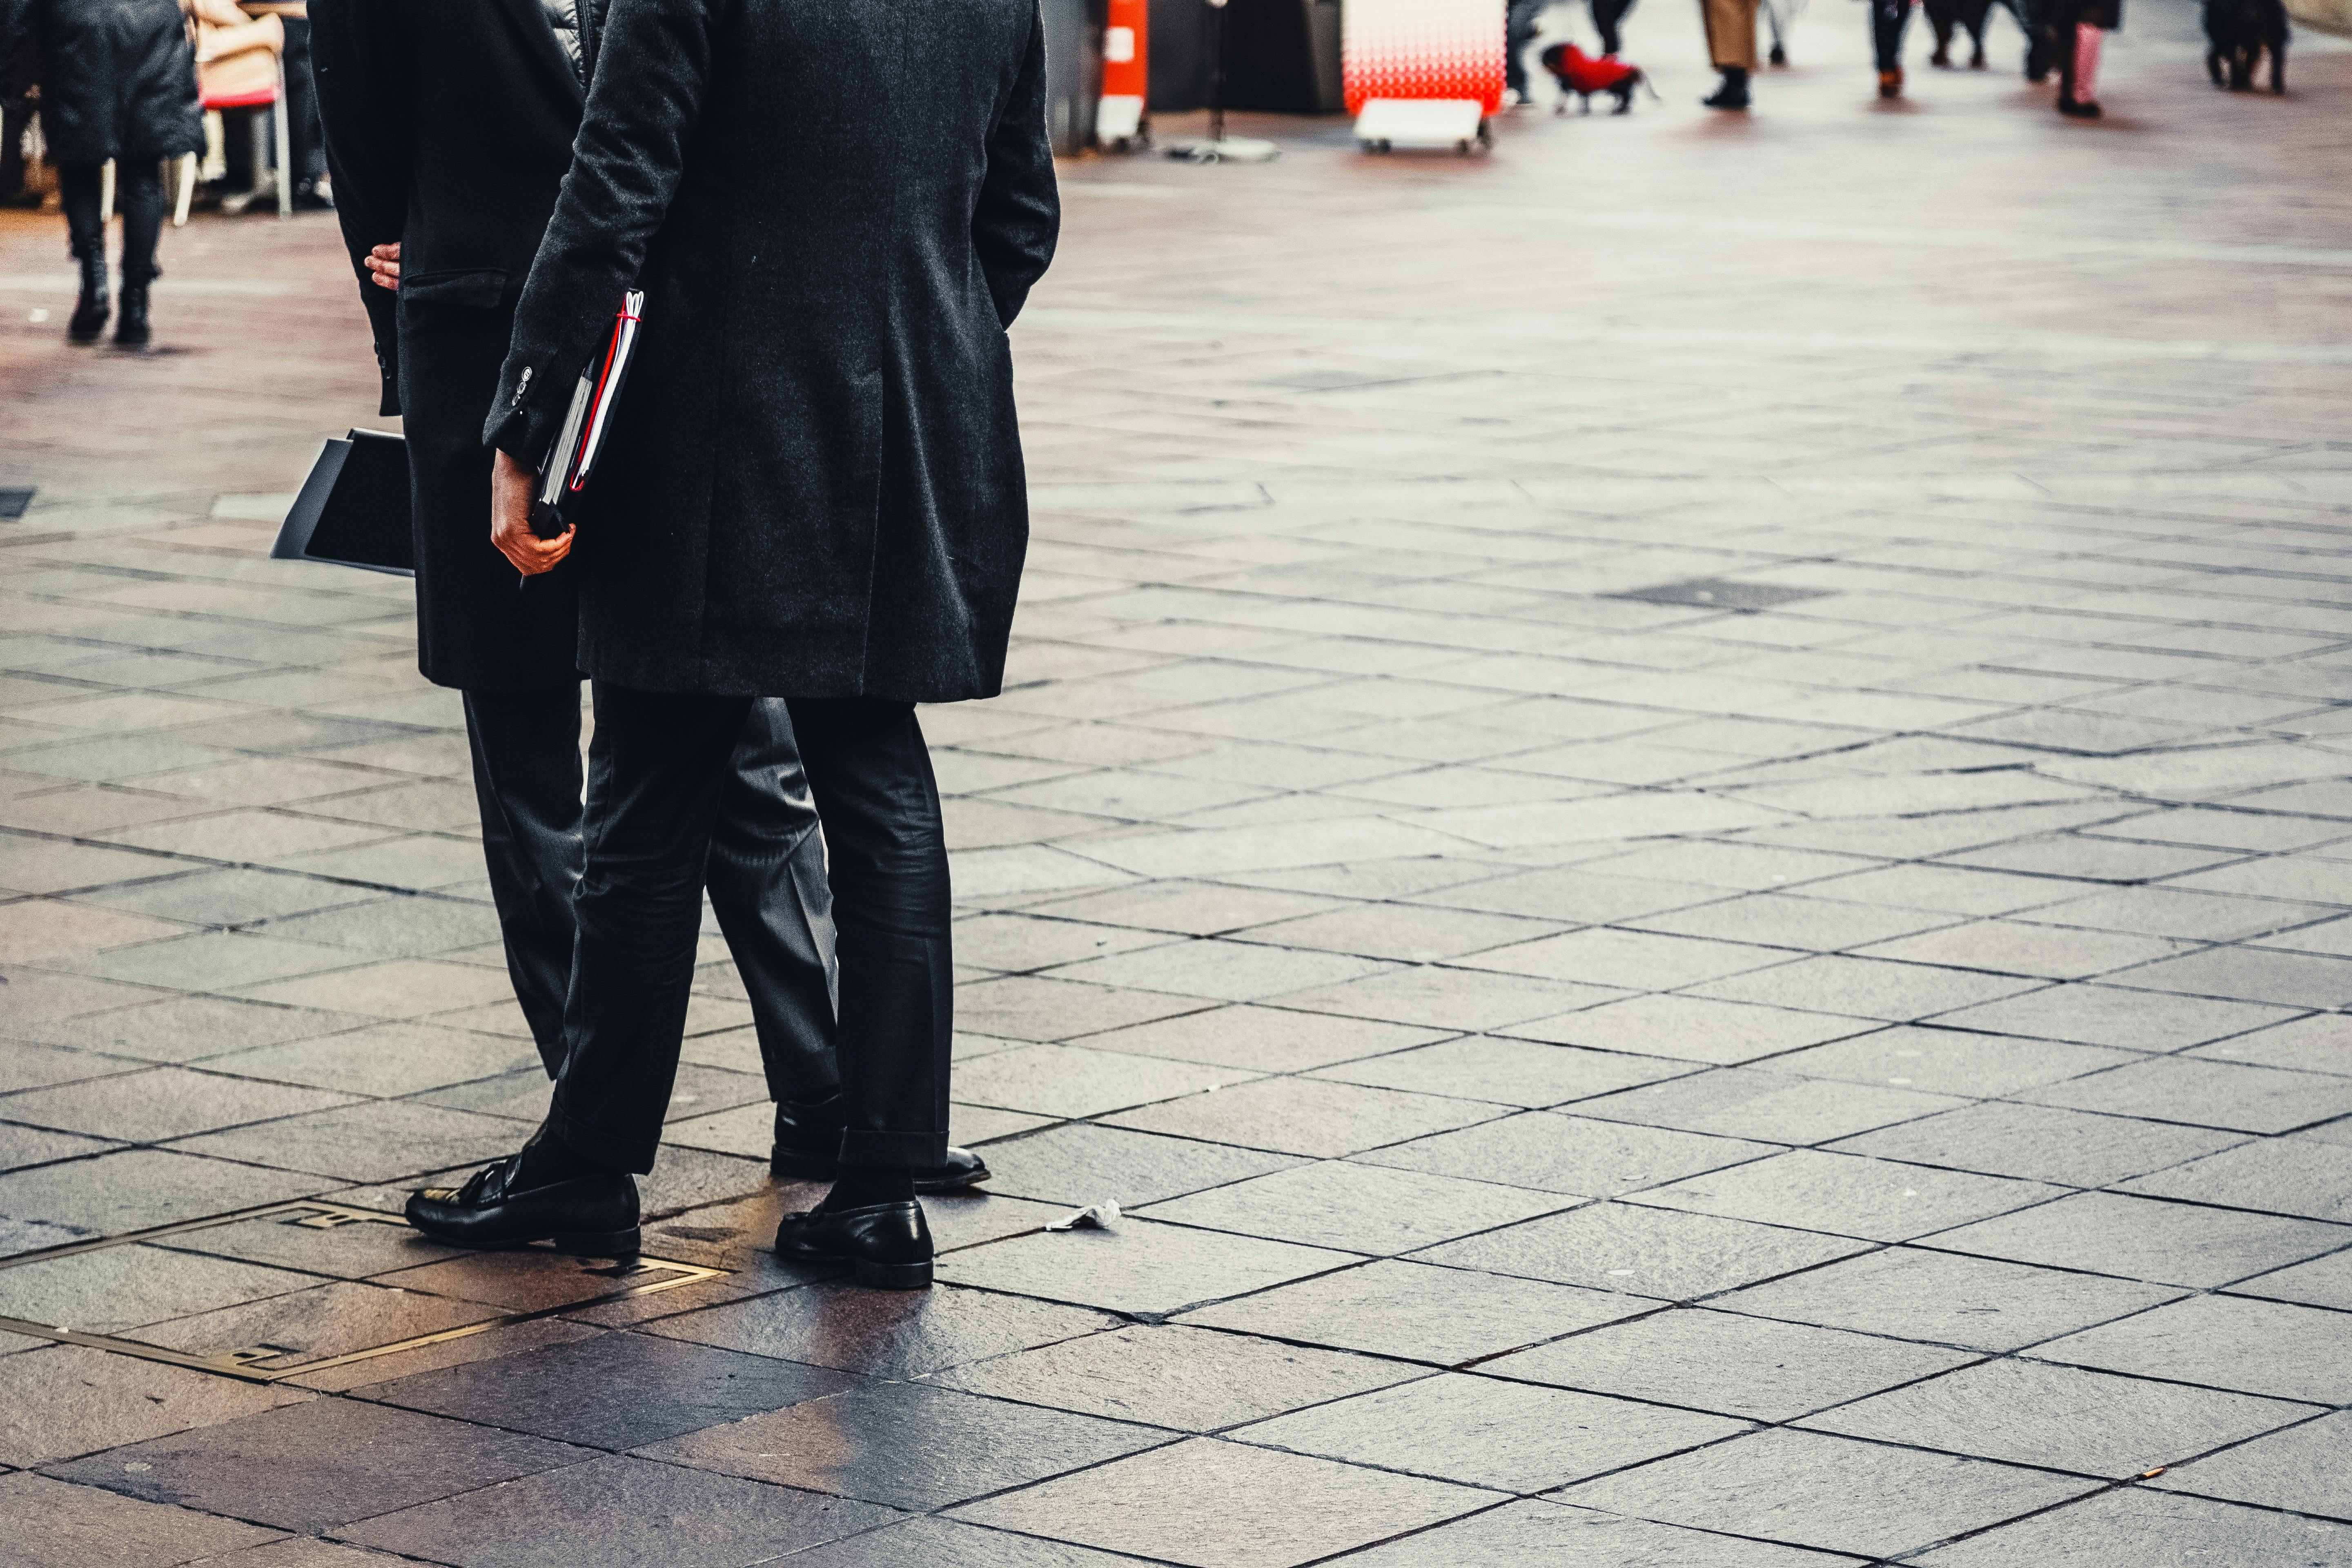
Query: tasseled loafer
column 889, row 1244
column 594, row 1216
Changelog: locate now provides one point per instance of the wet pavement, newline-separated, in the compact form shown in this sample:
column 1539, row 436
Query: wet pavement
column 1673, row 812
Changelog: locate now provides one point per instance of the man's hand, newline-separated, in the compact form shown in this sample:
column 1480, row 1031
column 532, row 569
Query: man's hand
column 384, row 266
column 510, row 487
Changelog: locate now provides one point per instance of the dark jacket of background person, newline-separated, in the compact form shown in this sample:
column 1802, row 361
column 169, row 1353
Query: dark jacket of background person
column 119, row 79
column 449, row 129
column 815, row 488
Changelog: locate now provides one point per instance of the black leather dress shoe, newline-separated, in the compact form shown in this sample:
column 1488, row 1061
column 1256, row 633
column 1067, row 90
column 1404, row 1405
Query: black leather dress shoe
column 808, row 1147
column 889, row 1245
column 594, row 1216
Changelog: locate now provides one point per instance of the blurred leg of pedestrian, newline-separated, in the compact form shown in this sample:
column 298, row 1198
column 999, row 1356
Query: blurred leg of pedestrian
column 139, row 197
column 2078, row 71
column 17, row 107
column 1771, row 11
column 77, row 186
column 1887, row 20
column 1519, row 32
column 1943, row 18
column 1606, row 15
column 303, row 137
column 1973, row 14
column 1731, row 46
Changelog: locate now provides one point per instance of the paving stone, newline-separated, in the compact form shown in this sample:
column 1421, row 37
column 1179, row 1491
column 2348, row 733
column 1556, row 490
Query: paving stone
column 2253, row 1347
column 2112, row 1015
column 908, row 1445
column 1356, row 1208
column 1808, row 1490
column 2038, row 1143
column 191, row 1028
column 316, row 1466
column 1570, row 1154
column 24, row 1065
column 136, row 1189
column 1081, row 1163
column 1780, row 1107
column 879, row 1334
column 2206, row 1094
column 1977, row 1302
column 1536, row 1533
column 1732, row 1365
column 2141, row 1238
column 2136, row 1528
column 387, row 1059
column 371, row 1141
column 297, row 1240
column 344, row 1318
column 52, row 1522
column 1071, row 1080
column 1039, row 1007
column 1439, row 997
column 2300, row 1469
column 1875, row 1199
column 633, row 1509
column 1445, row 1316
column 1307, row 1116
column 1508, row 1072
column 2061, row 1418
column 1183, row 1378
column 2321, row 1042
column 2322, row 1282
column 60, row 1401
column 1690, row 1028
column 23, row 1146
column 1406, row 932
column 1948, row 1061
column 1139, row 1267
column 1226, row 1505
column 1642, row 1251
column 161, row 1103
column 118, row 1287
column 1520, row 1436
column 2281, row 1175
column 1263, row 1039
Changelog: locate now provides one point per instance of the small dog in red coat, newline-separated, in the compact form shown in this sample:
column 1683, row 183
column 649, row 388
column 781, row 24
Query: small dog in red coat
column 1579, row 73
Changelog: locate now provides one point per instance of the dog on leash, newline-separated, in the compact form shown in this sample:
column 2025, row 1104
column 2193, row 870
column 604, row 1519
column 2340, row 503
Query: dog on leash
column 1582, row 75
column 2237, row 33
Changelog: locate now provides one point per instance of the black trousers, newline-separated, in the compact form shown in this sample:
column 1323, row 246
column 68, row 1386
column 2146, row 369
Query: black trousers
column 765, row 870
column 658, row 770
column 1606, row 15
column 138, row 196
column 1519, row 31
column 1887, row 20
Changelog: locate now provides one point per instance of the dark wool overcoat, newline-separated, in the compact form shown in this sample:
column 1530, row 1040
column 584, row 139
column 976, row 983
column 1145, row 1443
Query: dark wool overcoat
column 449, row 126
column 836, row 208
column 119, row 79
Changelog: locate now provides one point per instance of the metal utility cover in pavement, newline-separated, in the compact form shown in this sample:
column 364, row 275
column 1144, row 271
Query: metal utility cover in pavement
column 1719, row 593
column 213, row 1322
column 13, row 504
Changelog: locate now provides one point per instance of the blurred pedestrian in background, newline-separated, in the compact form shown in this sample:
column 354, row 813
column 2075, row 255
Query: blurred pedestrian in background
column 1950, row 16
column 1888, row 18
column 2072, row 32
column 19, row 78
column 1606, row 16
column 1731, row 46
column 1519, row 32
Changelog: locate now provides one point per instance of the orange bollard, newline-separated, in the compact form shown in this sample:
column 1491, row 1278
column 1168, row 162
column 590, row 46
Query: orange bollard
column 1119, row 121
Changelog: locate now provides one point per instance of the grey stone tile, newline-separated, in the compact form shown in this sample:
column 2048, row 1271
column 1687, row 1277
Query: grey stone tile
column 1691, row 1028
column 1138, row 1267
column 2039, row 1143
column 1211, row 1501
column 339, row 1318
column 617, row 1391
column 386, row 1059
column 2322, row 1282
column 1358, row 1208
column 1627, row 960
column 1534, row 1533
column 1446, row 1317
column 371, row 1141
column 2111, row 1016
column 1082, row 1163
column 1438, row 998
column 117, row 1287
column 2136, row 1527
column 1578, row 895
column 1810, row 1489
column 52, row 1522
column 1187, row 909
column 1793, row 920
column 2280, row 1175
column 1642, row 1251
column 1074, row 1080
column 352, row 1250
column 2300, row 1469
column 1307, row 1116
column 908, row 1445
column 2319, row 1043
column 1182, row 1378
column 1481, row 1431
column 1411, row 933
column 882, row 1334
column 190, row 1028
column 1949, row 1061
column 2207, row 1094
column 434, row 1353
column 2061, row 1418
column 943, row 1541
column 2223, row 1341
column 24, row 1065
column 23, row 1146
column 213, row 961
column 2252, row 975
column 1506, row 1071
column 1976, row 1302
column 300, row 1552
column 60, row 1401
column 631, row 1510
column 1864, row 987
column 1878, row 1200
column 1775, row 1107
column 1038, row 1007
column 1263, row 1039
column 1223, row 970
column 162, row 1102
column 1732, row 1365
column 1572, row 1154
column 2142, row 1239
column 315, row 1466
column 136, row 1189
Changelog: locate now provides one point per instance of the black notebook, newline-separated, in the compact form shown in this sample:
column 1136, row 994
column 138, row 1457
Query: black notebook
column 353, row 508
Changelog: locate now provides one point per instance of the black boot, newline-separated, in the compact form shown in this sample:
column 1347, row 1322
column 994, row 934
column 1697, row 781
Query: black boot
column 808, row 1146
column 90, row 313
column 889, row 1244
column 1733, row 93
column 130, row 322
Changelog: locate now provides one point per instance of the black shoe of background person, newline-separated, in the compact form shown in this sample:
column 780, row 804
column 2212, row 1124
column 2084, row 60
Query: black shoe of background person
column 593, row 1215
column 887, row 1244
column 1890, row 84
column 808, row 1146
column 1941, row 60
column 130, row 322
column 309, row 197
column 1779, row 57
column 91, row 311
column 1733, row 93
column 2072, row 109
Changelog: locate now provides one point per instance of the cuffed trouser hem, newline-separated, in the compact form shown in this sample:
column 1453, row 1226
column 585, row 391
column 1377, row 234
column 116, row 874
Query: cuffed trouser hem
column 1731, row 33
column 906, row 1151
column 614, row 1153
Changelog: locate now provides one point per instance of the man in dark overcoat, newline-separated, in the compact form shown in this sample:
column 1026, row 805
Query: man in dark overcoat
column 813, row 489
column 451, row 128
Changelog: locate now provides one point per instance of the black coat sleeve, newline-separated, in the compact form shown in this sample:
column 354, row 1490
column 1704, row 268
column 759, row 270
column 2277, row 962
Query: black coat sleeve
column 1019, row 213
column 363, row 58
column 642, row 109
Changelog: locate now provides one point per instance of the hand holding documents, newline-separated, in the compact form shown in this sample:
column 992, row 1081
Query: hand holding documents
column 573, row 455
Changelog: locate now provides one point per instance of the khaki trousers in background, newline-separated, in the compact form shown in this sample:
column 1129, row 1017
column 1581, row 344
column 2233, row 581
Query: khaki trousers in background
column 1731, row 33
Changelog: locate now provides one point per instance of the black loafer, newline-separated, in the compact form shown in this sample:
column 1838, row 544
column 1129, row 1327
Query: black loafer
column 594, row 1216
column 889, row 1244
column 963, row 1169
